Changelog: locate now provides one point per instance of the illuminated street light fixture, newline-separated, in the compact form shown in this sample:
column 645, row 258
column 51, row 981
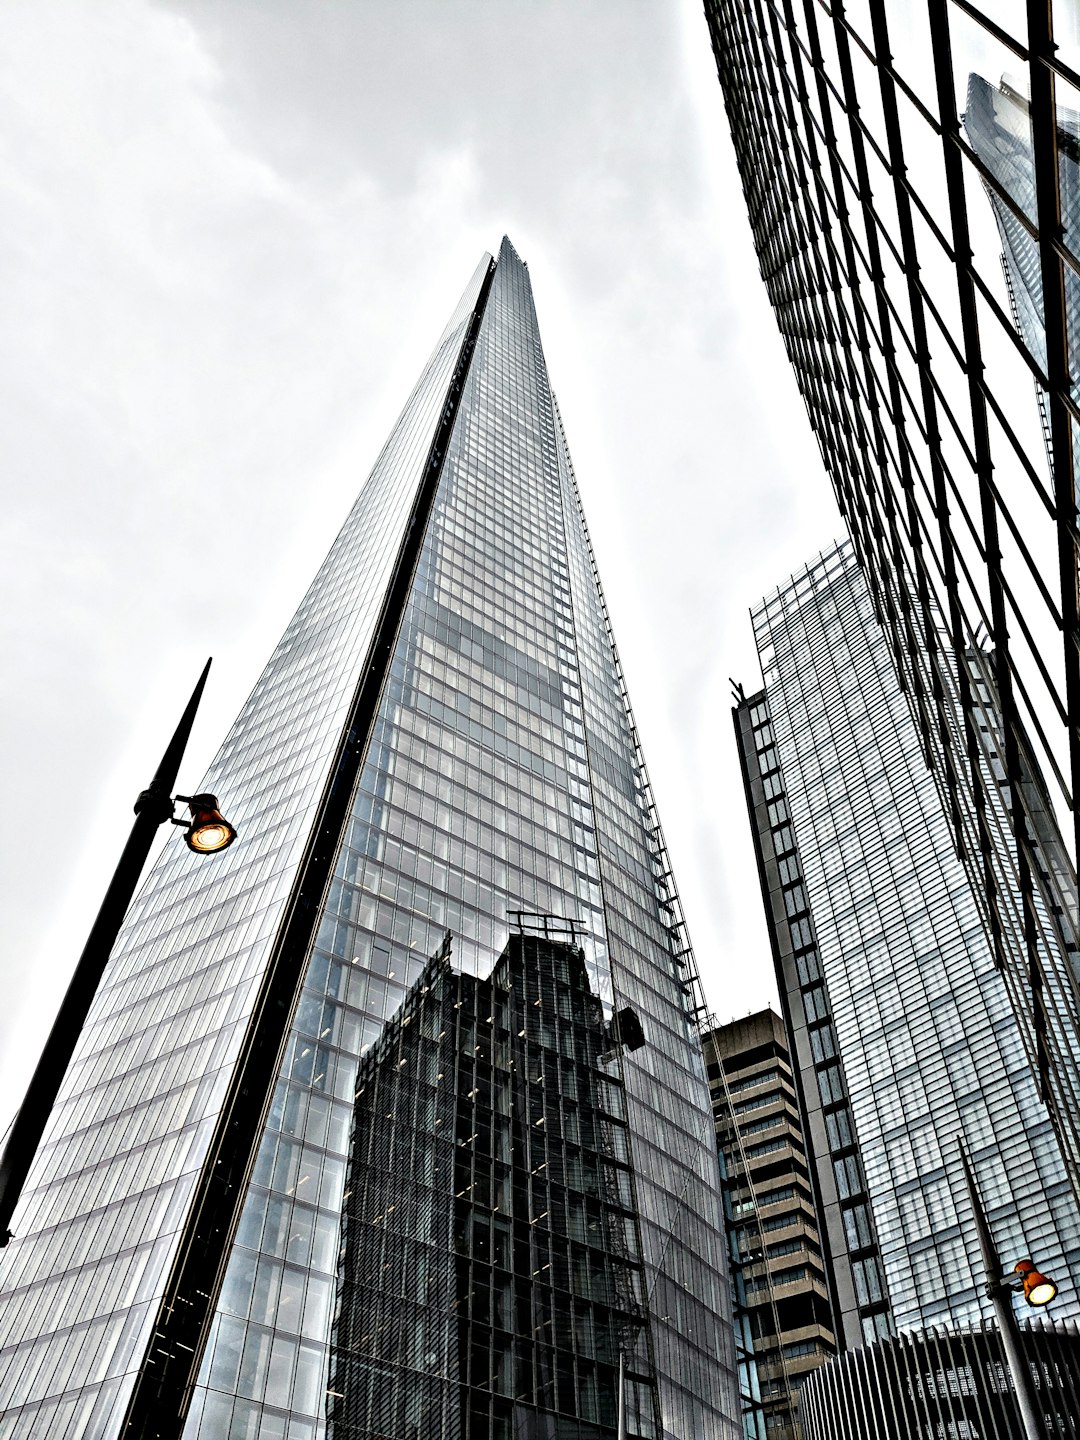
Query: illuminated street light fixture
column 1036, row 1288
column 206, row 833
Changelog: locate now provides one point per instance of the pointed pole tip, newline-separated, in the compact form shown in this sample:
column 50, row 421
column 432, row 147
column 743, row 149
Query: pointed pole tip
column 165, row 779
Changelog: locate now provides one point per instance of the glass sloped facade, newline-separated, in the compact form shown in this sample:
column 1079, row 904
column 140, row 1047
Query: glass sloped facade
column 106, row 1200
column 499, row 772
column 900, row 1020
column 869, row 135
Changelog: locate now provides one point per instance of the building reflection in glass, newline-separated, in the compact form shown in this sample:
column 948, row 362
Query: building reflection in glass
column 997, row 122
column 490, row 1272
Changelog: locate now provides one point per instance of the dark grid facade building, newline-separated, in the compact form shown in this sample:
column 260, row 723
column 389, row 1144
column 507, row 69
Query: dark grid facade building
column 916, row 350
column 490, row 1216
column 776, row 1243
column 902, row 1033
column 441, row 737
column 750, row 1401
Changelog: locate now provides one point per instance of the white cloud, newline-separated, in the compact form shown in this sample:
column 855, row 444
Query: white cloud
column 231, row 233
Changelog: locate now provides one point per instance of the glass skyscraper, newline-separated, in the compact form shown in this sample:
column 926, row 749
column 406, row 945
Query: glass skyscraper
column 867, row 145
column 903, row 1033
column 441, row 742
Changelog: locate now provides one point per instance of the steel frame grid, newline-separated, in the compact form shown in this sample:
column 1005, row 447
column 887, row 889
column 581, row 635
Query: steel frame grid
column 838, row 1254
column 752, row 76
column 958, row 435
column 877, row 575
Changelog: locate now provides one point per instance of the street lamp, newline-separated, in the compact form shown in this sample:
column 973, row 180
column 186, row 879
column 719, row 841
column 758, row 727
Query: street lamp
column 206, row 832
column 1036, row 1288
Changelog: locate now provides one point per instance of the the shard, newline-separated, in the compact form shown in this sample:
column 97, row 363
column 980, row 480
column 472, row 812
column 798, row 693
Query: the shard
column 441, row 743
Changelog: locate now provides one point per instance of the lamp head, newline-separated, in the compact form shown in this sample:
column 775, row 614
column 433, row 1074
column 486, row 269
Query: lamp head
column 208, row 831
column 1038, row 1289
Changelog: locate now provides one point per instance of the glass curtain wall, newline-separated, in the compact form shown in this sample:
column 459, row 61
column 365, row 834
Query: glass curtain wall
column 108, row 1195
column 503, row 777
column 904, row 1002
column 490, row 1261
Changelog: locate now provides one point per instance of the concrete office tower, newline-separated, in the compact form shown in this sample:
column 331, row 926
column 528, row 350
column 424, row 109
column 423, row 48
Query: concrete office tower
column 774, row 1224
column 903, row 1035
column 867, row 146
column 440, row 738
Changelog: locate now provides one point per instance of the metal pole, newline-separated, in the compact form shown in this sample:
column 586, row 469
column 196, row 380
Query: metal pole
column 153, row 808
column 620, row 1424
column 1001, row 1298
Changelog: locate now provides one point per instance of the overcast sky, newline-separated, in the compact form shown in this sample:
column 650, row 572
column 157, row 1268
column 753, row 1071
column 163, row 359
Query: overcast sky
column 231, row 233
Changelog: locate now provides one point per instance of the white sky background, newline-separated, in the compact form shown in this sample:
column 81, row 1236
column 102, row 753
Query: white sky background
column 230, row 234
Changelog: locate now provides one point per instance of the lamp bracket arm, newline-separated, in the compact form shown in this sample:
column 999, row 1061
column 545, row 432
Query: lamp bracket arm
column 155, row 803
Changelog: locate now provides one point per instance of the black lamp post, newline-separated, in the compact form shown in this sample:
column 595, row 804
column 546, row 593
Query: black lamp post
column 1037, row 1290
column 206, row 832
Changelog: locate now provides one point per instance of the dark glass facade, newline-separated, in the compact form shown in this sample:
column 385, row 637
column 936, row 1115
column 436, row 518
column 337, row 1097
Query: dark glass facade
column 441, row 738
column 753, row 1410
column 869, row 136
column 490, row 1217
column 903, row 1036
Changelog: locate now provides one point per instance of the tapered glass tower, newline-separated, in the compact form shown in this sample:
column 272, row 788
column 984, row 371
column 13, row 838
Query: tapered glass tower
column 440, row 743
